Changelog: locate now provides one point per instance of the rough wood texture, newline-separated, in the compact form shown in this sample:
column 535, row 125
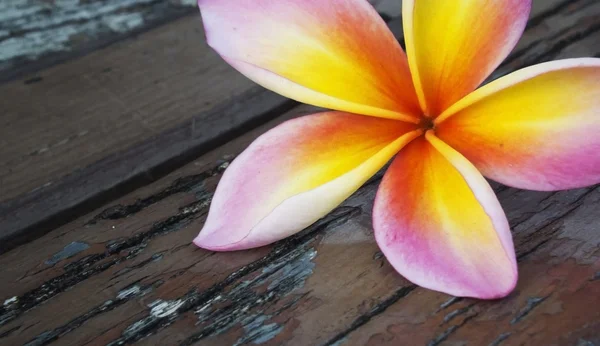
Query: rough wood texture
column 113, row 98
column 37, row 33
column 127, row 271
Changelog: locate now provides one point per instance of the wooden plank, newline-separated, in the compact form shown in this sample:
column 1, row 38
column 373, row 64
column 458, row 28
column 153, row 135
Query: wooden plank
column 37, row 33
column 127, row 272
column 111, row 98
column 119, row 116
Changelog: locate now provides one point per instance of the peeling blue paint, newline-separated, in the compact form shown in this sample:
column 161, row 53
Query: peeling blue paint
column 257, row 332
column 298, row 270
column 68, row 251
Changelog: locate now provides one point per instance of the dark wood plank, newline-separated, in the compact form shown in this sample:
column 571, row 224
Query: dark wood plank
column 111, row 99
column 127, row 272
column 35, row 33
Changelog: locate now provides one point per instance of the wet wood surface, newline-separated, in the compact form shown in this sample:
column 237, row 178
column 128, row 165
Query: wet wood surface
column 124, row 271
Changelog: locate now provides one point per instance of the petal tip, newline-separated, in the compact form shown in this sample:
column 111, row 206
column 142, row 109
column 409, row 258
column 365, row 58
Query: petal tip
column 209, row 240
column 497, row 283
column 501, row 289
column 205, row 241
column 479, row 290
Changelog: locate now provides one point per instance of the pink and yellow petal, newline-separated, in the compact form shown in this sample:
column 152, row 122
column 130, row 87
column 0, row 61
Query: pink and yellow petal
column 295, row 174
column 440, row 225
column 453, row 45
column 536, row 128
column 337, row 54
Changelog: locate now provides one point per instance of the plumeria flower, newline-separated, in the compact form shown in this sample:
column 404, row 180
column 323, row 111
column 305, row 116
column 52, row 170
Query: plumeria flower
column 435, row 217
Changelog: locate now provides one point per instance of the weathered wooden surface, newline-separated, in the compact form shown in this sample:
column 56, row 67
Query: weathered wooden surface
column 127, row 272
column 36, row 33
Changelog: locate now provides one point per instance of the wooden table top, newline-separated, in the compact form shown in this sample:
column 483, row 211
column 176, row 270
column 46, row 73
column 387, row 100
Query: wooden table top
column 115, row 128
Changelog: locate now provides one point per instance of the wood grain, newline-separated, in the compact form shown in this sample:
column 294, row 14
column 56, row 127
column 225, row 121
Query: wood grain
column 38, row 33
column 127, row 271
column 111, row 99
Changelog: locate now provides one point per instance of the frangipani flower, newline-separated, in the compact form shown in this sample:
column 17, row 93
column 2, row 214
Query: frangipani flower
column 435, row 217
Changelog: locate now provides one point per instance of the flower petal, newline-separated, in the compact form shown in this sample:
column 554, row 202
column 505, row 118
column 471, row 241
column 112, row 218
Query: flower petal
column 536, row 128
column 453, row 45
column 295, row 174
column 440, row 225
column 336, row 54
